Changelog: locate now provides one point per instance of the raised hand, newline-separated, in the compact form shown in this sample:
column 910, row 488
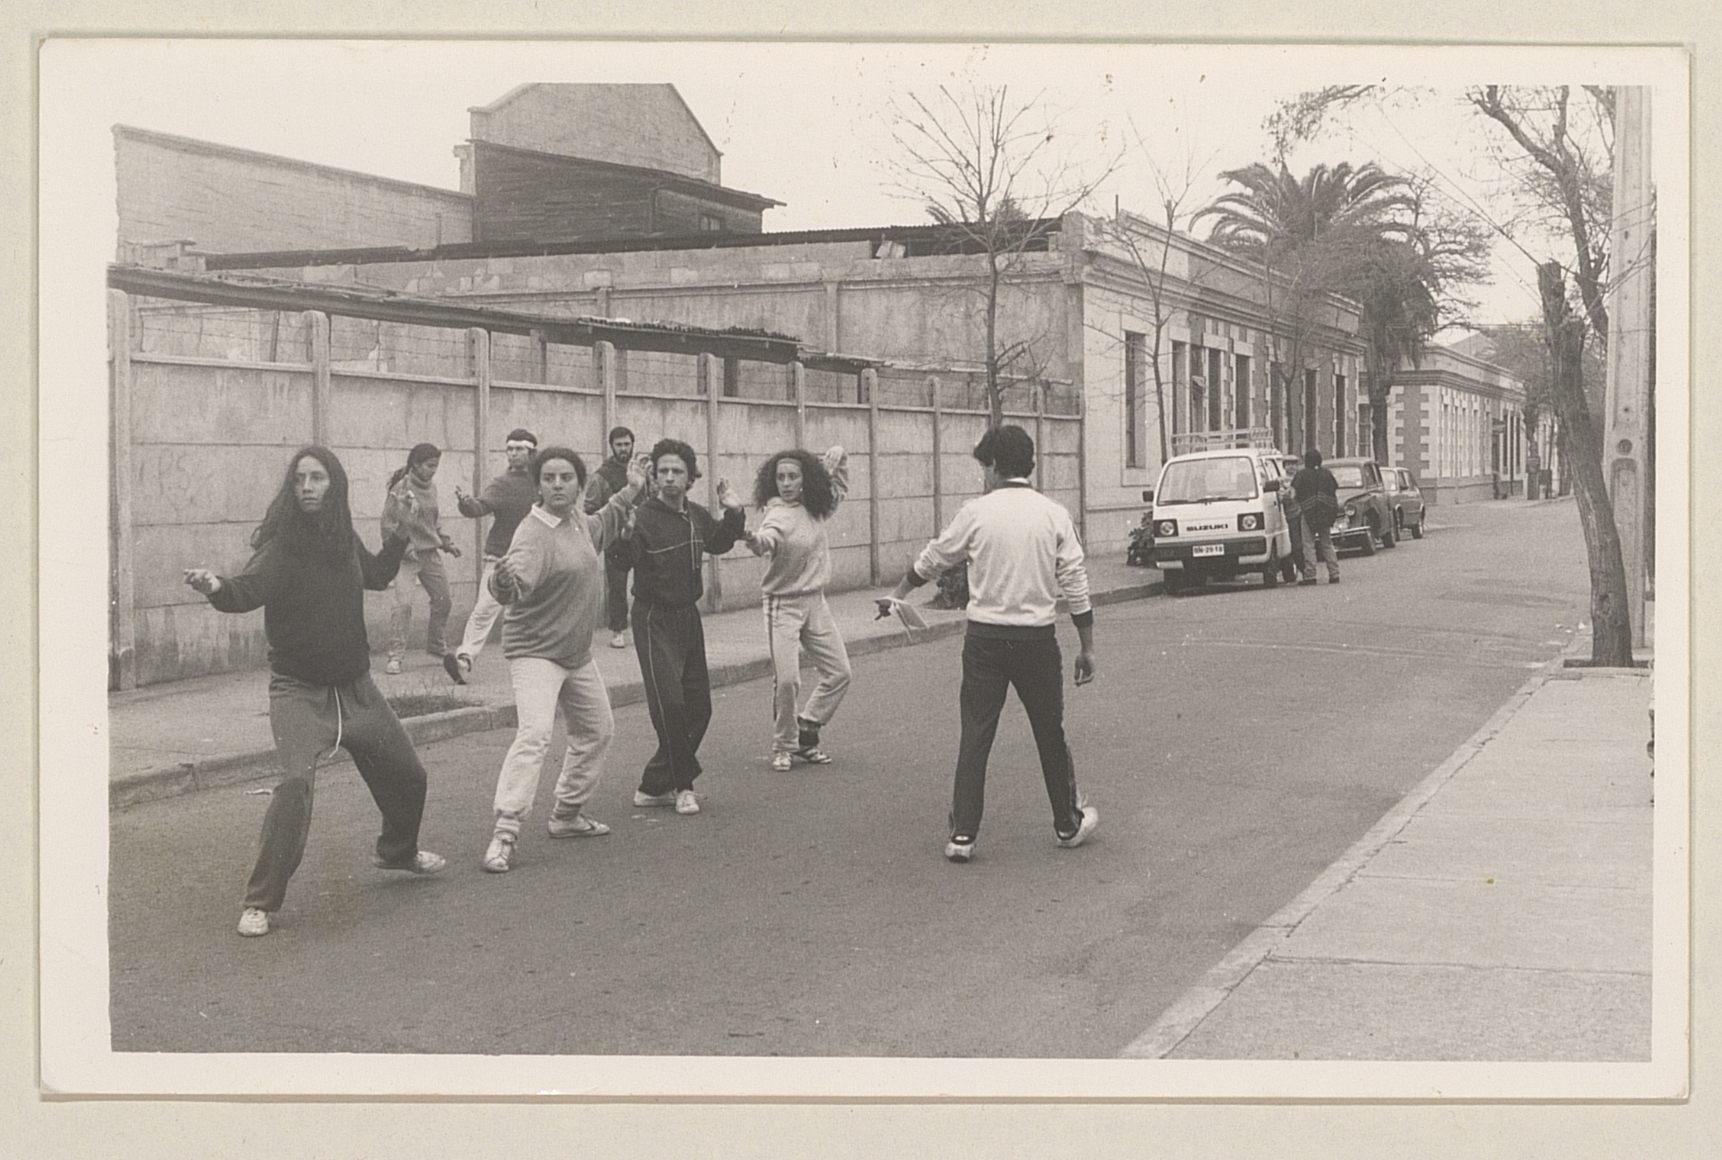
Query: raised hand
column 203, row 580
column 728, row 497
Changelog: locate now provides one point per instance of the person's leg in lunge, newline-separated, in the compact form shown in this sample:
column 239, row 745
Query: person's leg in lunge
column 659, row 649
column 783, row 624
column 386, row 759
column 980, row 703
column 823, row 645
column 303, row 719
column 591, row 726
column 435, row 580
column 401, row 616
column 537, row 685
column 1038, row 676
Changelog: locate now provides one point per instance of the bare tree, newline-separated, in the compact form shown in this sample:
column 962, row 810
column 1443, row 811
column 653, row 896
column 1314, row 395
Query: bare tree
column 997, row 175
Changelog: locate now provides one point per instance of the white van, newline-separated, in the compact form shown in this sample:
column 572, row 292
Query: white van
column 1217, row 509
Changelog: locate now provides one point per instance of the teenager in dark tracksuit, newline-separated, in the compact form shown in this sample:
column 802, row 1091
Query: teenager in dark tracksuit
column 666, row 551
column 309, row 573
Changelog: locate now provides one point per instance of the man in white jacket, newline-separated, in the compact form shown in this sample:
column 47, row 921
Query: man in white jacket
column 1023, row 552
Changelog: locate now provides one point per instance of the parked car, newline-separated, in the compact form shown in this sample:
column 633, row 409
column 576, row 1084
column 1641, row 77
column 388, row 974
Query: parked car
column 1365, row 515
column 1406, row 499
column 1216, row 512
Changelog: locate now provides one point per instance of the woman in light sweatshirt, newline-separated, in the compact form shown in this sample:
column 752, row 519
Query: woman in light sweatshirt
column 798, row 492
column 551, row 582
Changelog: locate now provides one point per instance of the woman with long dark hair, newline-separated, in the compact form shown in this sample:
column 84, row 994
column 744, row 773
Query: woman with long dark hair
column 410, row 510
column 799, row 492
column 308, row 572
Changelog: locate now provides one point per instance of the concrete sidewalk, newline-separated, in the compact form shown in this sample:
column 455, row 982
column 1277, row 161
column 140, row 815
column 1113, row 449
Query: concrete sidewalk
column 187, row 735
column 1501, row 912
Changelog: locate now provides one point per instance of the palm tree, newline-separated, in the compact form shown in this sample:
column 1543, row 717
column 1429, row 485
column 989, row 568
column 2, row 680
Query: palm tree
column 1358, row 233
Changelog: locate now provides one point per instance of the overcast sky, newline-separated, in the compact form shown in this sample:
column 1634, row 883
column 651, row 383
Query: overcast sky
column 806, row 124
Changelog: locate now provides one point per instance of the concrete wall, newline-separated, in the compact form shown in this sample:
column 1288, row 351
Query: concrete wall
column 645, row 125
column 204, row 430
column 234, row 200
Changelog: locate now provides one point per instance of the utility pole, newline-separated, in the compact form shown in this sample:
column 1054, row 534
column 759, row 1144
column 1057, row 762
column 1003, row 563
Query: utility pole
column 1626, row 426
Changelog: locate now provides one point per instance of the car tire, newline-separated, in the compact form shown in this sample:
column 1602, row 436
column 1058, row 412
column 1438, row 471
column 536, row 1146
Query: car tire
column 1174, row 581
column 1369, row 540
column 1388, row 539
column 1271, row 572
column 1417, row 530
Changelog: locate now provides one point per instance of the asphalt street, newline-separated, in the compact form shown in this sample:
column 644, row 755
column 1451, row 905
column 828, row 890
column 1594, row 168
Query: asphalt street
column 1235, row 742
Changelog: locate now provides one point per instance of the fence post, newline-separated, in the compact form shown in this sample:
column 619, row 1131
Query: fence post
column 1037, row 394
column 938, row 457
column 604, row 377
column 870, row 385
column 710, row 373
column 480, row 346
column 798, row 389
column 540, row 358
column 123, row 628
column 322, row 392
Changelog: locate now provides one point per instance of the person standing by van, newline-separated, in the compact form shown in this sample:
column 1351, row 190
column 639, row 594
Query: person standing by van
column 1317, row 494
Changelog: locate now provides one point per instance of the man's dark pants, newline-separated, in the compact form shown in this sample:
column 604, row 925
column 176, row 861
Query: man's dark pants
column 996, row 659
column 671, row 645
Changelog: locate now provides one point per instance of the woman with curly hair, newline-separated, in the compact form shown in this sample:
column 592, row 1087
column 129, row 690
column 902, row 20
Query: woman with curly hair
column 798, row 492
column 309, row 572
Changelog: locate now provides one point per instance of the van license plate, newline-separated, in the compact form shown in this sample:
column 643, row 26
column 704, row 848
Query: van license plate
column 1208, row 550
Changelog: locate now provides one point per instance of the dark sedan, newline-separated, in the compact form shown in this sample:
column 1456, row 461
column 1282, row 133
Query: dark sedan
column 1365, row 515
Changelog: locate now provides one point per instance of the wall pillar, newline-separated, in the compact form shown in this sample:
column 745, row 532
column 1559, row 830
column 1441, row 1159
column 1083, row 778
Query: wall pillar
column 798, row 392
column 540, row 369
column 604, row 378
column 870, row 387
column 710, row 372
column 938, row 457
column 122, row 595
column 322, row 390
column 479, row 344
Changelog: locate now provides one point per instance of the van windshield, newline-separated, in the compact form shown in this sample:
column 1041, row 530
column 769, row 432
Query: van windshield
column 1199, row 480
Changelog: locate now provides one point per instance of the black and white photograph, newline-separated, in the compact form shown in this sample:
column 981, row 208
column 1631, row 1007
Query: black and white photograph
column 587, row 523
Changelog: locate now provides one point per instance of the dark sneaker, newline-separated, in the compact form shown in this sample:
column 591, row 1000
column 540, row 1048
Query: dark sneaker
column 424, row 862
column 1084, row 831
column 455, row 665
column 960, row 848
column 1331, row 580
column 253, row 922
column 1307, row 580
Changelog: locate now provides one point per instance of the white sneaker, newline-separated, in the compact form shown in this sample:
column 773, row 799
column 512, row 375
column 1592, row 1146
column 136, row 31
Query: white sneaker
column 500, row 853
column 642, row 798
column 393, row 668
column 687, row 802
column 1084, row 831
column 960, row 851
column 578, row 826
column 618, row 641
column 253, row 922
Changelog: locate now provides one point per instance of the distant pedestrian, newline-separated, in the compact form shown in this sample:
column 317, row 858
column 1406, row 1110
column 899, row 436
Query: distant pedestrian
column 1317, row 494
column 410, row 508
column 611, row 477
column 550, row 579
column 1292, row 566
column 308, row 572
column 1023, row 552
column 506, row 499
column 799, row 492
column 666, row 550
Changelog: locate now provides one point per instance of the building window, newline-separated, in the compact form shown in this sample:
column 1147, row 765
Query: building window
column 1135, row 381
column 1244, row 387
column 1338, row 414
column 711, row 223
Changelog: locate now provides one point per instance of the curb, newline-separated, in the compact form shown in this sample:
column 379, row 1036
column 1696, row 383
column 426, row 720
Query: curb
column 1193, row 1007
column 164, row 781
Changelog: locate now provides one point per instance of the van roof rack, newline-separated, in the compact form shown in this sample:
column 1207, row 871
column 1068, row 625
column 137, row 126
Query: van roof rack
column 1185, row 442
